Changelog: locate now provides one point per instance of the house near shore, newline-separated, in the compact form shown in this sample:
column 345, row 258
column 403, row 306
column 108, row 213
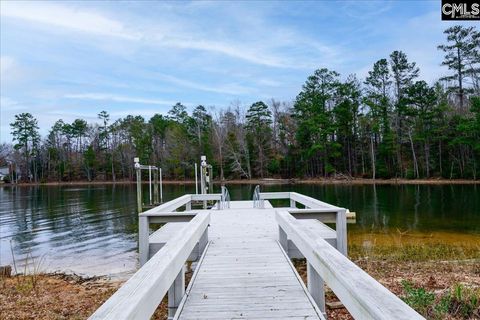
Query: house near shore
column 4, row 172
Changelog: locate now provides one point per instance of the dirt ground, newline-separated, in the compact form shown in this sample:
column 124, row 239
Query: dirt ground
column 58, row 296
column 437, row 276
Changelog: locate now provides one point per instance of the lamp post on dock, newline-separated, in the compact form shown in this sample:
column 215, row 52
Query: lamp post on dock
column 136, row 162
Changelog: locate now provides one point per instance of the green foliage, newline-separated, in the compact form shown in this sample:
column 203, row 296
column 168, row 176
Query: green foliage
column 418, row 298
column 463, row 58
column 459, row 301
column 25, row 134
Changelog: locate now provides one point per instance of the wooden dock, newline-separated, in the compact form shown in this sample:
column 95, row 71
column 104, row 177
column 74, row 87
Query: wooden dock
column 244, row 273
column 243, row 270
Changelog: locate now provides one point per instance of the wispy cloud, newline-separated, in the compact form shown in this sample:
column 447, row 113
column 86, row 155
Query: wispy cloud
column 229, row 88
column 182, row 36
column 6, row 65
column 66, row 17
column 9, row 104
column 117, row 98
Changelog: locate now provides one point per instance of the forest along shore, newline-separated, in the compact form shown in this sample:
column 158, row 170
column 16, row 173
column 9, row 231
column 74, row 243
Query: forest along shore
column 262, row 182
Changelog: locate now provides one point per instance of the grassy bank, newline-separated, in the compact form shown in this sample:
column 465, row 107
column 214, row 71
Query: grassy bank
column 440, row 281
column 55, row 296
column 435, row 289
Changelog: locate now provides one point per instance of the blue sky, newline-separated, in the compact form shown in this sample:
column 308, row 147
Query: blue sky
column 73, row 59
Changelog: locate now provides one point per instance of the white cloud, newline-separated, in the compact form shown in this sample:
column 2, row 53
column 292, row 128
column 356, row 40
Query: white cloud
column 117, row 98
column 229, row 49
column 6, row 65
column 178, row 34
column 66, row 17
column 233, row 89
column 7, row 104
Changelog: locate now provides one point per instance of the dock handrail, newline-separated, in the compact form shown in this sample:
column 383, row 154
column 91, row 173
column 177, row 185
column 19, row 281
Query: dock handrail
column 139, row 297
column 165, row 213
column 362, row 295
column 225, row 202
column 314, row 209
column 256, row 196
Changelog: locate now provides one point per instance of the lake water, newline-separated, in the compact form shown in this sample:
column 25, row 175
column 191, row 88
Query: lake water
column 92, row 230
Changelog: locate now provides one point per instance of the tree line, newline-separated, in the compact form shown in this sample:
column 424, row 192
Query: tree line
column 388, row 125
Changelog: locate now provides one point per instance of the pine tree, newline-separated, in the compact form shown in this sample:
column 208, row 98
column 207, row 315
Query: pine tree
column 259, row 135
column 403, row 73
column 377, row 99
column 313, row 112
column 25, row 133
column 462, row 57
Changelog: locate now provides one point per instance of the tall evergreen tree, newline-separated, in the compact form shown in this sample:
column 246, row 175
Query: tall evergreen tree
column 313, row 113
column 25, row 134
column 377, row 99
column 259, row 135
column 403, row 74
column 462, row 57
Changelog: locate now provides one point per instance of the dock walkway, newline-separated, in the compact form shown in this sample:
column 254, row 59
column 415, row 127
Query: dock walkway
column 244, row 273
column 243, row 270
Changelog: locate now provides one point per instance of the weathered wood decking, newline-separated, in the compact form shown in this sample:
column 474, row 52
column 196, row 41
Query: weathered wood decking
column 244, row 273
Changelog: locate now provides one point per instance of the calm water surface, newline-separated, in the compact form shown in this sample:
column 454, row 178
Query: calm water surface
column 92, row 230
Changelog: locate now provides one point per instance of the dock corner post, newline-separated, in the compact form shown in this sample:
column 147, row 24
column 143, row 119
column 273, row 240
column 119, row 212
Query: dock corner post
column 341, row 229
column 316, row 287
column 143, row 233
column 283, row 239
column 176, row 293
column 293, row 204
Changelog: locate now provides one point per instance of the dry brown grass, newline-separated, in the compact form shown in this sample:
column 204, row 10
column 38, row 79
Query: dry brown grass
column 437, row 276
column 59, row 296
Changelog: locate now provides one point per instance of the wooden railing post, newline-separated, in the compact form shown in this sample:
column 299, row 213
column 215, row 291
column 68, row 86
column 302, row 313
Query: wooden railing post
column 283, row 239
column 175, row 293
column 316, row 287
column 143, row 234
column 293, row 203
column 188, row 206
column 362, row 295
column 341, row 229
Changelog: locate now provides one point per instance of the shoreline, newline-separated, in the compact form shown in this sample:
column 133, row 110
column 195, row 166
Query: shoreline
column 359, row 181
column 66, row 296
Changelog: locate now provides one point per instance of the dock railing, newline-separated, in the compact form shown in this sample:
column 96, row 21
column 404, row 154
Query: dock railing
column 362, row 295
column 314, row 209
column 166, row 213
column 140, row 296
column 225, row 202
column 256, row 197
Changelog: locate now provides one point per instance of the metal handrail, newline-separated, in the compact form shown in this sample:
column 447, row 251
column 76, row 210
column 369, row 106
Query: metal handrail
column 225, row 202
column 256, row 196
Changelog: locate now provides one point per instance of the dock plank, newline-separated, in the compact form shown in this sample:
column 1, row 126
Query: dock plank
column 244, row 273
